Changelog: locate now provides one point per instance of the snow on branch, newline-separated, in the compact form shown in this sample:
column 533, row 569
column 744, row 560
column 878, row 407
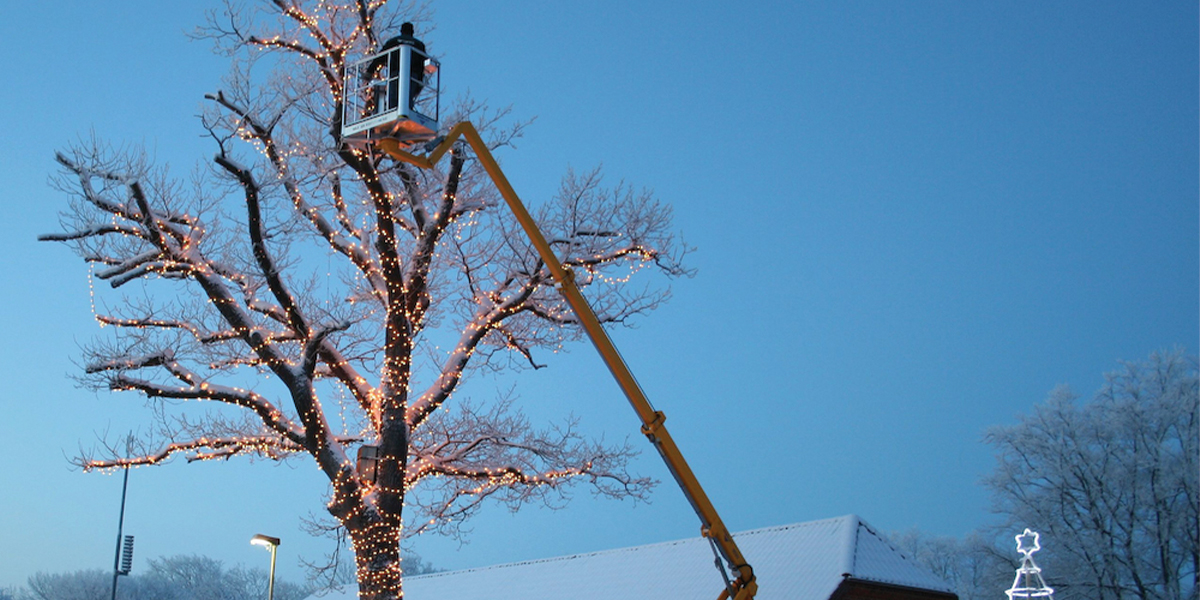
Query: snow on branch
column 90, row 231
column 316, row 342
column 271, row 416
column 200, row 334
column 198, row 449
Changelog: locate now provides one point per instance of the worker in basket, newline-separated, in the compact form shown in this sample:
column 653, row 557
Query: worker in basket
column 389, row 59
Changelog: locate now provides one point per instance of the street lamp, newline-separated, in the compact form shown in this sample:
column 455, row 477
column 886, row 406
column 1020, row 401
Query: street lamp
column 271, row 543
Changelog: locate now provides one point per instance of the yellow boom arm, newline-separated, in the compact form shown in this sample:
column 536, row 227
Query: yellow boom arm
column 744, row 586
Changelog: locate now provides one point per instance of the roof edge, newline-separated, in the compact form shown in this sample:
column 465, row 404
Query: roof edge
column 850, row 544
column 735, row 534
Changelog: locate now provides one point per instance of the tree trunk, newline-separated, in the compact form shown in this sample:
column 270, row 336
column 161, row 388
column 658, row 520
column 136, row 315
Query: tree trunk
column 377, row 559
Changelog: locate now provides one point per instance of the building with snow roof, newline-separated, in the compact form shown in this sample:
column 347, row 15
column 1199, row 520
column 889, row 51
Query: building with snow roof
column 833, row 559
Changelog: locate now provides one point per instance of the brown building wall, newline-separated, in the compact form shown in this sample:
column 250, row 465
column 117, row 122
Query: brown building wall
column 857, row 589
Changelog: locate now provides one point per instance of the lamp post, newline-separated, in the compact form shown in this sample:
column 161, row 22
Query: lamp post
column 271, row 543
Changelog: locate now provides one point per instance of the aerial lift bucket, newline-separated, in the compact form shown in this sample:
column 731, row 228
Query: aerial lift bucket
column 394, row 94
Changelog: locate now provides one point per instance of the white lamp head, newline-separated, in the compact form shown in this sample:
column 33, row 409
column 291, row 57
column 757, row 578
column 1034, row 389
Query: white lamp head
column 264, row 540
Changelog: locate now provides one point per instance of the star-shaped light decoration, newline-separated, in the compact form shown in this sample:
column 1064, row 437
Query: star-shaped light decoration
column 1027, row 543
column 1028, row 583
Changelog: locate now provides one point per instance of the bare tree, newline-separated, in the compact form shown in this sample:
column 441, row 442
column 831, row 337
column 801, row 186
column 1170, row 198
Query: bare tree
column 92, row 584
column 322, row 298
column 1112, row 484
column 167, row 578
column 974, row 565
column 192, row 577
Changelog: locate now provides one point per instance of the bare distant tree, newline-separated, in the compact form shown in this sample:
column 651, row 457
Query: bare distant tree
column 1110, row 484
column 92, row 584
column 974, row 566
column 192, row 577
column 168, row 578
column 322, row 297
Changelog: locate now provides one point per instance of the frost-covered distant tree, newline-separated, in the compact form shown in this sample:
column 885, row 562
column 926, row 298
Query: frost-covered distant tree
column 1111, row 484
column 193, row 577
column 91, row 584
column 322, row 297
column 974, row 565
column 168, row 578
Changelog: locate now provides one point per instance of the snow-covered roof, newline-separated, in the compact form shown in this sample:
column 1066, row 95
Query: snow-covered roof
column 804, row 561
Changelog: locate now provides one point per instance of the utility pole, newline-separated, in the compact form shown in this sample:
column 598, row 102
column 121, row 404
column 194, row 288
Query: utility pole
column 120, row 527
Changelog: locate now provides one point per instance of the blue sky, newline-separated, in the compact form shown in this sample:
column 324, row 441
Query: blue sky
column 912, row 221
